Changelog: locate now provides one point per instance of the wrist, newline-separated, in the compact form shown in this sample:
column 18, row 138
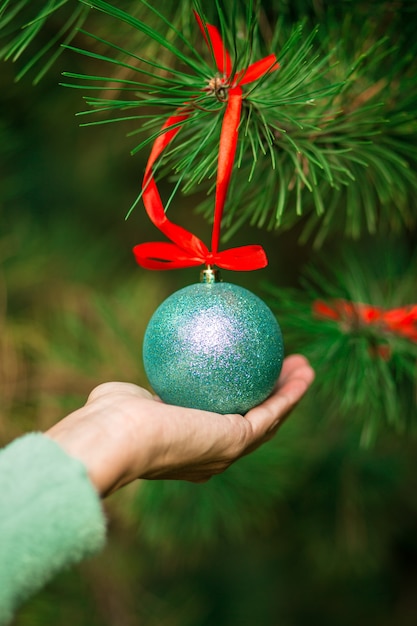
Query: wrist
column 81, row 437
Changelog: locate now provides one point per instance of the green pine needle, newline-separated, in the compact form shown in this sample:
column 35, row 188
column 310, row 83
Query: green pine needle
column 142, row 27
column 22, row 24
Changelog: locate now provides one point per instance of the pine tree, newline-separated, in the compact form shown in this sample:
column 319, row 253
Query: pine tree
column 325, row 175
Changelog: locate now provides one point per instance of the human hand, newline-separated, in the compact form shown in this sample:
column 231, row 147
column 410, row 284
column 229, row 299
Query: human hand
column 123, row 432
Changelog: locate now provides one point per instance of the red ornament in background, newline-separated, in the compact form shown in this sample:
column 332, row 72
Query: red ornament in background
column 400, row 321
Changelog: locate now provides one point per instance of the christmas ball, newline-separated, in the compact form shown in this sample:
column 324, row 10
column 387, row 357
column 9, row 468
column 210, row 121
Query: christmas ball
column 213, row 346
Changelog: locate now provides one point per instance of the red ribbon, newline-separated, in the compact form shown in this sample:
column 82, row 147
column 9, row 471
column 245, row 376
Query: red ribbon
column 184, row 248
column 399, row 321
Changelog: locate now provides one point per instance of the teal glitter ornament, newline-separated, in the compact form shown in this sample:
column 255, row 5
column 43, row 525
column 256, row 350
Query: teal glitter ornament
column 213, row 346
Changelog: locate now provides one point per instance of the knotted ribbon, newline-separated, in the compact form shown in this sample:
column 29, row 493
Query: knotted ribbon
column 400, row 321
column 185, row 249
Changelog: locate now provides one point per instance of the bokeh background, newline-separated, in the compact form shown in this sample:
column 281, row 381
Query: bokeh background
column 312, row 529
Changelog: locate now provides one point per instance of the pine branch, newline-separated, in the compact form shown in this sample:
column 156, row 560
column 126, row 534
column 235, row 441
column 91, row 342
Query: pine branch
column 22, row 25
column 333, row 132
column 333, row 135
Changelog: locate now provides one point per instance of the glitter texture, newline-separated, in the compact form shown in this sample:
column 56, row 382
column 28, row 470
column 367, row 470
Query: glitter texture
column 216, row 347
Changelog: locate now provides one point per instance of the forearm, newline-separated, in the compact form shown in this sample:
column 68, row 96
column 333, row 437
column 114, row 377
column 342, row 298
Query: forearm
column 50, row 517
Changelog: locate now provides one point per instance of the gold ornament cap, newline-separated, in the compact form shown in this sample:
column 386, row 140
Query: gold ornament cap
column 210, row 276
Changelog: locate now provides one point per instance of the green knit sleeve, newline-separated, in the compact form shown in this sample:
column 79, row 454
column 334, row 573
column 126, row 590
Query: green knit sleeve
column 50, row 517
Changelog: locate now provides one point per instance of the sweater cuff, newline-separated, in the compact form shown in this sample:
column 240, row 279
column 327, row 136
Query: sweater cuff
column 51, row 516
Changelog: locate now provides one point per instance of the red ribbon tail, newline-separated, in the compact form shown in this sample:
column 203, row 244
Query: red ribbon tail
column 257, row 69
column 227, row 150
column 215, row 44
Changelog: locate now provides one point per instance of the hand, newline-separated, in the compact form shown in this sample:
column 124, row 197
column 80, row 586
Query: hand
column 124, row 433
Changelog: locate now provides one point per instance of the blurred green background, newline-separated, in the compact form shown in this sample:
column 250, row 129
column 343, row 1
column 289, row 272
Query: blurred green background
column 312, row 529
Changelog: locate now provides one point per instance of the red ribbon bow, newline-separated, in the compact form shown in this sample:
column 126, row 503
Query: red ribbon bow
column 399, row 321
column 184, row 248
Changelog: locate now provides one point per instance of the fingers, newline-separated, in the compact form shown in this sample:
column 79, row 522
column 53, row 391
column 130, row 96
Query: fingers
column 291, row 365
column 296, row 377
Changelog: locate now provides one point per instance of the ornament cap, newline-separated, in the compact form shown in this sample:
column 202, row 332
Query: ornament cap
column 209, row 276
